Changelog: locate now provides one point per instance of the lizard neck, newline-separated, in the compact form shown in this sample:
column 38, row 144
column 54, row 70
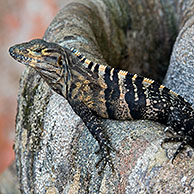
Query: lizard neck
column 100, row 71
column 91, row 67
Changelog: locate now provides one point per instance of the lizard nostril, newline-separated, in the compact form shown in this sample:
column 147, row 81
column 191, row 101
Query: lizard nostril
column 11, row 50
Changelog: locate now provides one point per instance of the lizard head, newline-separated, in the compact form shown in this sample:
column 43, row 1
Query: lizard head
column 48, row 59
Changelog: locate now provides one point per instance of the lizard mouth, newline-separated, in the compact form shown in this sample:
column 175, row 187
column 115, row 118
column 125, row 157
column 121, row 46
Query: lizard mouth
column 20, row 56
column 15, row 53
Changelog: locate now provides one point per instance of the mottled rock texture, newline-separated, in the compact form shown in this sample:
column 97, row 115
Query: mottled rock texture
column 55, row 153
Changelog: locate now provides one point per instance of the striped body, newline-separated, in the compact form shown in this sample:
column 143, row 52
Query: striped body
column 95, row 91
column 120, row 95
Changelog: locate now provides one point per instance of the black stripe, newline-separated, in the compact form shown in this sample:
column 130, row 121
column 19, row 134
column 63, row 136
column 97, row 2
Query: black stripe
column 90, row 65
column 112, row 93
column 96, row 68
column 115, row 87
column 130, row 97
column 50, row 50
column 141, row 102
column 80, row 56
column 115, row 75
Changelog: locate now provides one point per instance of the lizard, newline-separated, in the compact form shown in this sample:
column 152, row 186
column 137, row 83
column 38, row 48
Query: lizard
column 97, row 91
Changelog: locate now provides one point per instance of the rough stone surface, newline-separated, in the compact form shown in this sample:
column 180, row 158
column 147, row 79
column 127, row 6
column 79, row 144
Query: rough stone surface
column 180, row 74
column 55, row 153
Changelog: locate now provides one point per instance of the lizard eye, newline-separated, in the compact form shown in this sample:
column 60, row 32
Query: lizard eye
column 38, row 50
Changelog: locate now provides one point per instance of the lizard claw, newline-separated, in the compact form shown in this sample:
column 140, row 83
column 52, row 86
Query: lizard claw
column 108, row 145
column 105, row 158
column 180, row 147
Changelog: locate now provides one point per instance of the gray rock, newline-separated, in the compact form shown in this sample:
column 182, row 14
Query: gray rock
column 180, row 74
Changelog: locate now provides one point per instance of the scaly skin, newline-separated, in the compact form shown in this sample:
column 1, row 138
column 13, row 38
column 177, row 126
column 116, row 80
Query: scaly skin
column 96, row 91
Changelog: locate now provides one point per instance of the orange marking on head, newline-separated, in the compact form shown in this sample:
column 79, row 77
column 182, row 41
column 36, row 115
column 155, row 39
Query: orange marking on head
column 123, row 73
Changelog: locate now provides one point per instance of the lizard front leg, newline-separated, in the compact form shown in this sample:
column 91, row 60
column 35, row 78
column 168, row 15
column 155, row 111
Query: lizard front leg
column 95, row 127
